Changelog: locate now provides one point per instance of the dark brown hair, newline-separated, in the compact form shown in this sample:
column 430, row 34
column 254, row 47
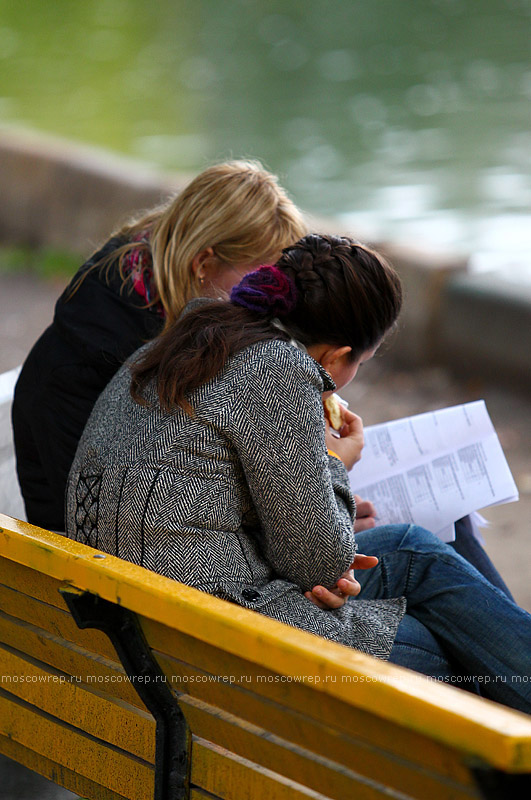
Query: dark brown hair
column 347, row 294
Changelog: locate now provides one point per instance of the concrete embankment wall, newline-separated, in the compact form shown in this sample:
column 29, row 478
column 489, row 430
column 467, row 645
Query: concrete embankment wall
column 57, row 194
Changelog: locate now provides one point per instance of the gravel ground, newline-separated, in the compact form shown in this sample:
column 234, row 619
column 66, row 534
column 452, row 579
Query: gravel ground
column 380, row 392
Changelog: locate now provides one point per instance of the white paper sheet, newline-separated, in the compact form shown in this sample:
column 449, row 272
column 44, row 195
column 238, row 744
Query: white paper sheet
column 11, row 502
column 434, row 468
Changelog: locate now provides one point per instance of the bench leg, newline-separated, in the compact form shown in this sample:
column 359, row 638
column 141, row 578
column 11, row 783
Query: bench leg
column 173, row 740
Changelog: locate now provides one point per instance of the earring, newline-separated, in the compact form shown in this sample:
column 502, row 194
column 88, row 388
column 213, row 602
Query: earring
column 201, row 280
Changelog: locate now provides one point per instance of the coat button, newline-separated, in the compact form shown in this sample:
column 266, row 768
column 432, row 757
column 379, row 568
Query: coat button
column 250, row 594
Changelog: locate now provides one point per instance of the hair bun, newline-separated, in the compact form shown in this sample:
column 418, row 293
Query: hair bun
column 266, row 290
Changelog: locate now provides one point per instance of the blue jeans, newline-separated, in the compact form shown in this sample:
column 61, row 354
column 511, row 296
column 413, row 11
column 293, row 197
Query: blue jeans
column 473, row 623
column 416, row 648
column 468, row 546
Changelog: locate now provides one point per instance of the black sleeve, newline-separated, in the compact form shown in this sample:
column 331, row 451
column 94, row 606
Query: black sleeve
column 95, row 329
column 54, row 397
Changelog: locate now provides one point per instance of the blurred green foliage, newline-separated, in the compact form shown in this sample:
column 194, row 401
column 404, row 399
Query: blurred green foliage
column 46, row 263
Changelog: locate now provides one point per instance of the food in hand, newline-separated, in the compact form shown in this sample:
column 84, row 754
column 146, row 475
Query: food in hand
column 334, row 412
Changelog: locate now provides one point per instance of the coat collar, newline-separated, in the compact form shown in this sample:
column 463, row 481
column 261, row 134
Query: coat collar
column 328, row 383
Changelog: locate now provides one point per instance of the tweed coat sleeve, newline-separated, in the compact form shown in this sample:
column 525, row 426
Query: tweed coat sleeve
column 301, row 495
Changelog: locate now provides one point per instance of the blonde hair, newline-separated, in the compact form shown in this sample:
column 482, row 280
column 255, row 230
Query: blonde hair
column 237, row 208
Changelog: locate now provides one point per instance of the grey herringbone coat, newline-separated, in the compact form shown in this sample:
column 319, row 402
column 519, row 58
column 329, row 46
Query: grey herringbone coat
column 242, row 501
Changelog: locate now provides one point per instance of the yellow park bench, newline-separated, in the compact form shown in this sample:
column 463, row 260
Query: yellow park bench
column 199, row 698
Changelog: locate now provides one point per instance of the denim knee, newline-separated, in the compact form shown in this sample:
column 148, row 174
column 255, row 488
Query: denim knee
column 382, row 539
column 423, row 541
column 416, row 648
column 390, row 538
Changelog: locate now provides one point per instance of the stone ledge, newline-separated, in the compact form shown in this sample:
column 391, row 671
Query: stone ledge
column 485, row 328
column 424, row 278
column 59, row 194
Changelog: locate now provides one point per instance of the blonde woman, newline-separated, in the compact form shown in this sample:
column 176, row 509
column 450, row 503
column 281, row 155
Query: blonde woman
column 228, row 220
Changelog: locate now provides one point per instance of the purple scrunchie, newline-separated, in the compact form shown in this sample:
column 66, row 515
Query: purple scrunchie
column 267, row 290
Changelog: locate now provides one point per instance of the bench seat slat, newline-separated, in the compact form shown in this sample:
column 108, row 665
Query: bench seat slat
column 325, row 775
column 70, row 748
column 106, row 718
column 69, row 658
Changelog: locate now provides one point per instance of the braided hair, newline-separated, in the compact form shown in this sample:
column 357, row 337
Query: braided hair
column 347, row 293
column 324, row 290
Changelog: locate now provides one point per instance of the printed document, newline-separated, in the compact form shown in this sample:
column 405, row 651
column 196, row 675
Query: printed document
column 432, row 469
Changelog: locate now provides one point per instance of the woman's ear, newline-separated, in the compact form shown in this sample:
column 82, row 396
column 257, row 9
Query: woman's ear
column 200, row 263
column 331, row 357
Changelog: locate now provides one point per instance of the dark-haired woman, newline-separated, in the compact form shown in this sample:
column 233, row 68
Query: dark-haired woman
column 207, row 459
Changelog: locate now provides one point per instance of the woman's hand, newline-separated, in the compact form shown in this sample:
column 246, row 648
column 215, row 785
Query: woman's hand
column 346, row 586
column 350, row 442
column 365, row 515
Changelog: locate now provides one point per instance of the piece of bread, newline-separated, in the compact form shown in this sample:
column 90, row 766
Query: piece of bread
column 334, row 412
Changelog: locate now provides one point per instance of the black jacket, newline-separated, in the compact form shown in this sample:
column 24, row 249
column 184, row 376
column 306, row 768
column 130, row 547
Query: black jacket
column 92, row 334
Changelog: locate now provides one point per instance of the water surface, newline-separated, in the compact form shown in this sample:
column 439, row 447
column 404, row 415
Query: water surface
column 410, row 118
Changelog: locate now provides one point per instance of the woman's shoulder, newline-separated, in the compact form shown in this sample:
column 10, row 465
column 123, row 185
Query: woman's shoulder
column 95, row 315
column 102, row 254
column 277, row 360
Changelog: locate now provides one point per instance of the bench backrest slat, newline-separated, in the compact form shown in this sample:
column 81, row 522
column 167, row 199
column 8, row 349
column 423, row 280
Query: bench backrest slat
column 103, row 716
column 68, row 778
column 68, row 746
column 68, row 657
column 331, row 765
column 52, row 619
column 29, row 600
column 439, row 712
column 258, row 693
column 227, row 776
column 32, row 583
column 305, row 720
column 54, row 712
